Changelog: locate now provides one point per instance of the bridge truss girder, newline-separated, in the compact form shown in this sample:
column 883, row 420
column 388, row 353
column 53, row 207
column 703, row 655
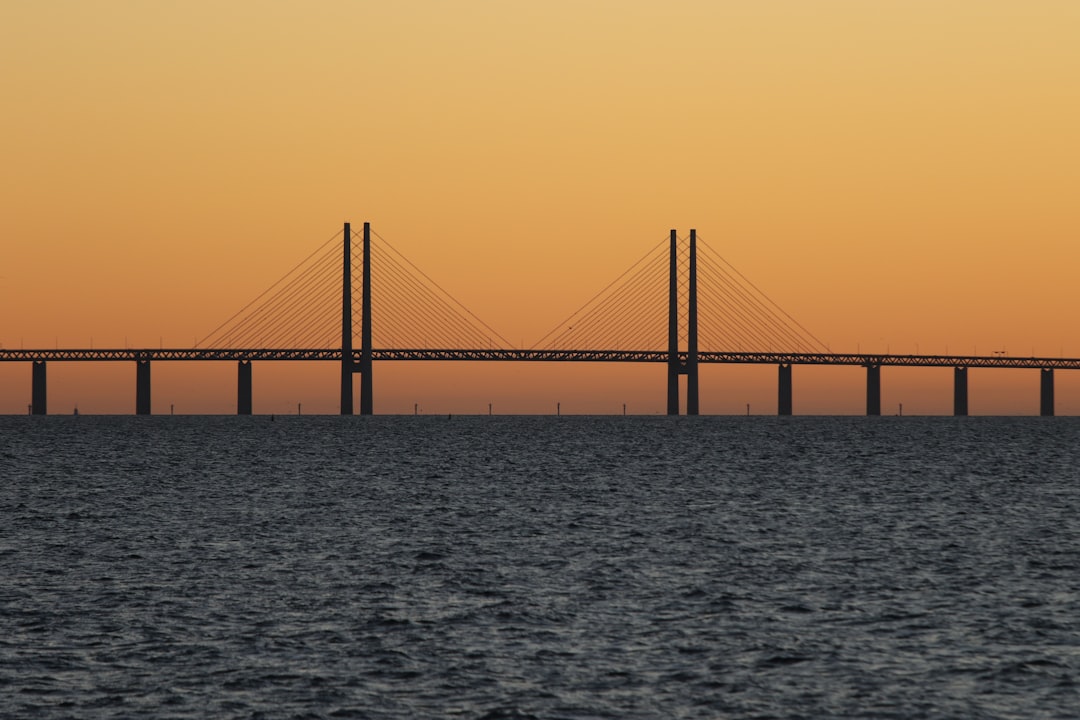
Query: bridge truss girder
column 518, row 355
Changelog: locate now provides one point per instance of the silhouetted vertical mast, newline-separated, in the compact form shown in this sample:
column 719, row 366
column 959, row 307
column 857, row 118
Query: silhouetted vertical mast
column 346, row 326
column 366, row 400
column 673, row 328
column 691, row 333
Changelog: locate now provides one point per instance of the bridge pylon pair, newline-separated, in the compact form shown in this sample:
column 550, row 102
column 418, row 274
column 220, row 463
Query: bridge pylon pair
column 349, row 363
column 679, row 362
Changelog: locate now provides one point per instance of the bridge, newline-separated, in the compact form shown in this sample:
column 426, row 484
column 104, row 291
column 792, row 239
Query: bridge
column 297, row 319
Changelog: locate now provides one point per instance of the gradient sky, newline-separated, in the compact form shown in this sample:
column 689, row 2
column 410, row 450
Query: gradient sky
column 899, row 176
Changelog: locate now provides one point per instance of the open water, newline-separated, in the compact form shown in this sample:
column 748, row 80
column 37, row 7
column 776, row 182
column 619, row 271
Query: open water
column 521, row 567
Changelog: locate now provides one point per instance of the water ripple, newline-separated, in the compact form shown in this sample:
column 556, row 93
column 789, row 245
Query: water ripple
column 539, row 567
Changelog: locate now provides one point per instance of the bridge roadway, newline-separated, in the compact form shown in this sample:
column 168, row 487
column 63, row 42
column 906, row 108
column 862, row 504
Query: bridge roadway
column 499, row 354
column 682, row 363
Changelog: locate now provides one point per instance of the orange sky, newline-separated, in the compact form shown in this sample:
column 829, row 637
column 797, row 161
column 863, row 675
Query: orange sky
column 900, row 176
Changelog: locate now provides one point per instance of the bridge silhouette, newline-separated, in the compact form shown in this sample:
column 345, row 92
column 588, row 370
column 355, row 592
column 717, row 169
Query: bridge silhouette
column 723, row 319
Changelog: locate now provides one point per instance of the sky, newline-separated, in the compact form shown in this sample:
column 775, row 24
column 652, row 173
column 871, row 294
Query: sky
column 898, row 176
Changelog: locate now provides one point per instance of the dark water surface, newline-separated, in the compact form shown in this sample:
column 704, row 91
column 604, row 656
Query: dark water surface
column 515, row 567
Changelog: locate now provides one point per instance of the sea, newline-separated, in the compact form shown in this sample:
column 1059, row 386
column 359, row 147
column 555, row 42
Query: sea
column 539, row 567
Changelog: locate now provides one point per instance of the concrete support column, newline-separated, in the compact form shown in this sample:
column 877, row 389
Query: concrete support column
column 873, row 389
column 783, row 403
column 1046, row 392
column 243, row 387
column 38, row 389
column 673, row 328
column 142, row 386
column 960, row 391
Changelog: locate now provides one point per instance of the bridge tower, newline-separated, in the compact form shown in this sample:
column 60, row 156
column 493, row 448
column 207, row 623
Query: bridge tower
column 679, row 364
column 349, row 365
column 673, row 365
column 366, row 388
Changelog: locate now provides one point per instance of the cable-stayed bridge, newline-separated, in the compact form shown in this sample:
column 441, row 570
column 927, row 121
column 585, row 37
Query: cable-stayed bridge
column 681, row 305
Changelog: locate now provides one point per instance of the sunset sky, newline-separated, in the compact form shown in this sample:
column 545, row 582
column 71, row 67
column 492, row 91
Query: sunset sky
column 899, row 176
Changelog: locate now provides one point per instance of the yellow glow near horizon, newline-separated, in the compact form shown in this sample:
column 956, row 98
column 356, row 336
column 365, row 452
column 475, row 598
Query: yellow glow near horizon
column 898, row 176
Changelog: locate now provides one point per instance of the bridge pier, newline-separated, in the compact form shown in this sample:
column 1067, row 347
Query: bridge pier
column 1046, row 392
column 783, row 404
column 38, row 389
column 243, row 387
column 873, row 389
column 142, row 386
column 960, row 391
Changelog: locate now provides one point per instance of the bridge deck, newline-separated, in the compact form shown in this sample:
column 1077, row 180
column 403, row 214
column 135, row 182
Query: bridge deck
column 504, row 355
